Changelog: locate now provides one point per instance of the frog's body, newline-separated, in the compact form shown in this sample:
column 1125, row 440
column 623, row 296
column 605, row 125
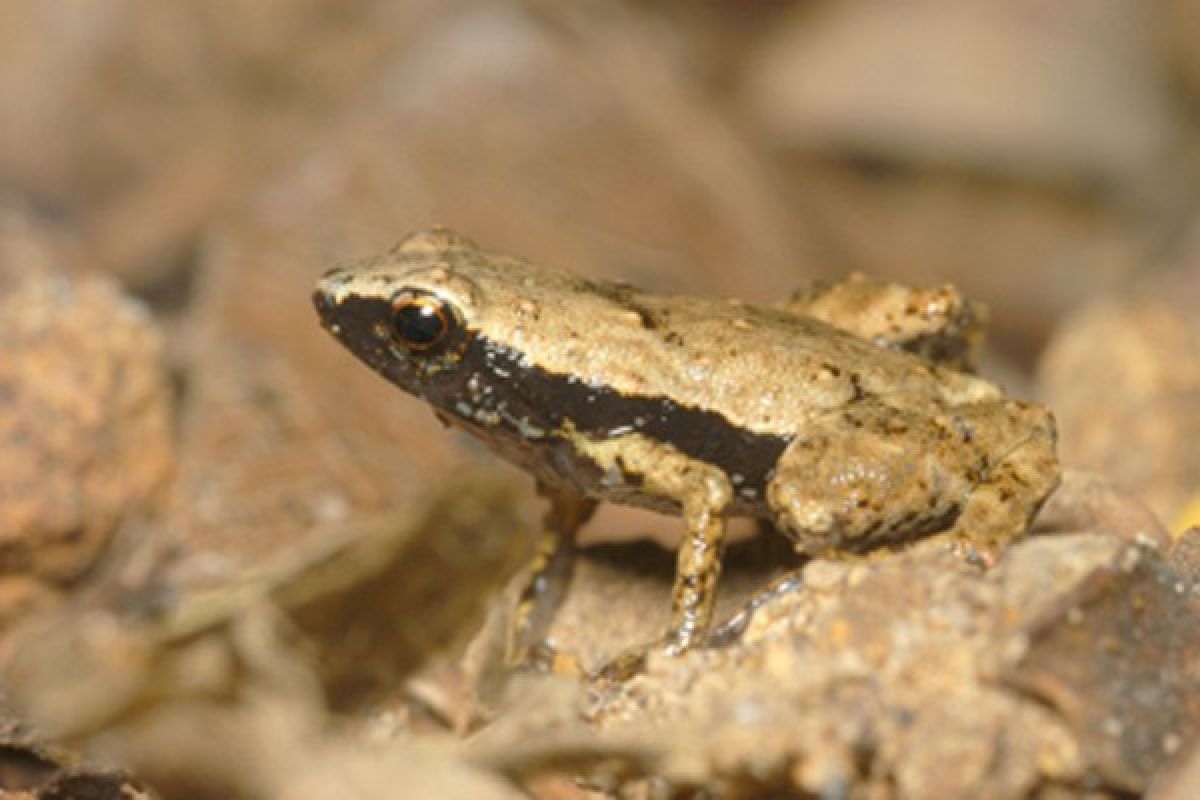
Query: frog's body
column 703, row 407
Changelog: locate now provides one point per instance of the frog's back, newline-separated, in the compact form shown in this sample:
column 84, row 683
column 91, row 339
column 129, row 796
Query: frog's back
column 758, row 367
column 762, row 369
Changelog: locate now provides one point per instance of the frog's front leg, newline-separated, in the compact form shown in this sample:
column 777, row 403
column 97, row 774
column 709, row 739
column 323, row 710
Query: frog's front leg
column 549, row 574
column 704, row 494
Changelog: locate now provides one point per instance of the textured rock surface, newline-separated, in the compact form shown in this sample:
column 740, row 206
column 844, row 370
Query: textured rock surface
column 85, row 440
column 1139, row 430
column 1071, row 664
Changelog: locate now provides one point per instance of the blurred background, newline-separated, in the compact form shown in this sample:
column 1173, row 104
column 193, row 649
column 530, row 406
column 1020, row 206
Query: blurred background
column 214, row 156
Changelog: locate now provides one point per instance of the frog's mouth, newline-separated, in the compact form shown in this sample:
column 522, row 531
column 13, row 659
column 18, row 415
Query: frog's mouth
column 363, row 325
column 360, row 323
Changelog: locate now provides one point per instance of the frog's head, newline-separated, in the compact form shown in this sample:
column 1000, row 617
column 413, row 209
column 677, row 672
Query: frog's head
column 493, row 342
column 409, row 314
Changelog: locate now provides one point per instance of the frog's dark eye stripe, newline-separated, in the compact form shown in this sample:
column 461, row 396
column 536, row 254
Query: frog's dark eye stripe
column 422, row 321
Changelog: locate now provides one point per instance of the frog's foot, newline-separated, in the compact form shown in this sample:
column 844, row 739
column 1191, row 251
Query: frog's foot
column 632, row 662
column 538, row 656
column 549, row 579
column 629, row 663
column 1009, row 493
column 704, row 494
column 692, row 600
column 731, row 630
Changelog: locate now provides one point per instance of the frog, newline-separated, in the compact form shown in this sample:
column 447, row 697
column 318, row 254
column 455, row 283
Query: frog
column 848, row 417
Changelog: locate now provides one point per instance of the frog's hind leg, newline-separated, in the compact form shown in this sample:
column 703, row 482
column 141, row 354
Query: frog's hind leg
column 549, row 575
column 867, row 476
column 936, row 323
column 1009, row 490
column 872, row 476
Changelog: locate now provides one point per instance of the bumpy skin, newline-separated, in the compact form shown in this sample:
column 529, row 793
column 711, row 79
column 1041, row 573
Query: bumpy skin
column 937, row 322
column 706, row 408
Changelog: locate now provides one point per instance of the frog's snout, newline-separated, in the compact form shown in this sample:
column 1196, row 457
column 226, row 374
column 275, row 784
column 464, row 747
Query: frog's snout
column 324, row 303
column 328, row 294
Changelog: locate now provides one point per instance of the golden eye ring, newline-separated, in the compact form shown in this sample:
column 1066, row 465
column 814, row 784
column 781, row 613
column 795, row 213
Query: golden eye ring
column 422, row 321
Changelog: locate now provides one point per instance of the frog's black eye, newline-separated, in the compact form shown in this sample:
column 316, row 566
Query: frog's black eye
column 422, row 321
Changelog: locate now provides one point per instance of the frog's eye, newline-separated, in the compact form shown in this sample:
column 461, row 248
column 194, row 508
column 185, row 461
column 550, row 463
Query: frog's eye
column 421, row 320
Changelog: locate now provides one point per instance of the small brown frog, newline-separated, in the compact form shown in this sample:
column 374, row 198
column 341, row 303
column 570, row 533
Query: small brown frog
column 705, row 408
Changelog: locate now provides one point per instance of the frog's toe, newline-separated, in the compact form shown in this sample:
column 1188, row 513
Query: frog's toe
column 544, row 658
column 730, row 631
column 631, row 662
column 981, row 555
column 535, row 657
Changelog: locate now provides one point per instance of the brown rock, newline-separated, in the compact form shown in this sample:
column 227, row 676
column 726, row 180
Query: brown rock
column 344, row 618
column 993, row 89
column 31, row 244
column 1116, row 657
column 375, row 607
column 84, row 423
column 985, row 143
column 225, row 693
column 1086, row 501
column 1179, row 28
column 91, row 784
column 916, row 676
column 22, row 596
column 1182, row 780
column 1126, row 409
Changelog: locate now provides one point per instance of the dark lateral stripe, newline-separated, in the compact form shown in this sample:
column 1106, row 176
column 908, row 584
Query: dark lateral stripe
column 546, row 400
column 523, row 397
